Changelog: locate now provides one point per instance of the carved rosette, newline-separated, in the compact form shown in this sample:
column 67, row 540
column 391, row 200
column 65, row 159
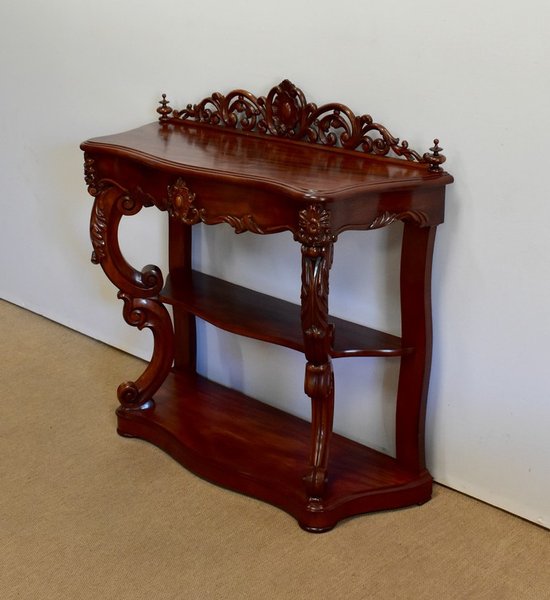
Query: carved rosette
column 285, row 112
column 314, row 228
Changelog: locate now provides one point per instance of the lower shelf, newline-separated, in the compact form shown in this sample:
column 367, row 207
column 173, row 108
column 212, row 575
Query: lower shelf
column 250, row 447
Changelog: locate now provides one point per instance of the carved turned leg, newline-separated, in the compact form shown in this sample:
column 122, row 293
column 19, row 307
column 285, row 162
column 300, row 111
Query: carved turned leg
column 317, row 248
column 416, row 325
column 138, row 289
column 319, row 377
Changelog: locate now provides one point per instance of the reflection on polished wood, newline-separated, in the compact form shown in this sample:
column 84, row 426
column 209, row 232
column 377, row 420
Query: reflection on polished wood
column 265, row 165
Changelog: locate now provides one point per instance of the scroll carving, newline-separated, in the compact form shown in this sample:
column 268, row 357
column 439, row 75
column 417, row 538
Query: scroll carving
column 285, row 112
column 387, row 218
column 138, row 289
column 150, row 313
column 111, row 203
column 180, row 204
column 240, row 224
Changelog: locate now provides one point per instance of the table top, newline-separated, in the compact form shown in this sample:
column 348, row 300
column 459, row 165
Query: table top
column 300, row 168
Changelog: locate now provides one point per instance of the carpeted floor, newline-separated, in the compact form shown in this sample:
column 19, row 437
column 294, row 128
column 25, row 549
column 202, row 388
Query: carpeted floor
column 85, row 514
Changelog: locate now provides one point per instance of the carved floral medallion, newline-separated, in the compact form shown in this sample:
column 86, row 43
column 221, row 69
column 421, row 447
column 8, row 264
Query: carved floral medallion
column 314, row 226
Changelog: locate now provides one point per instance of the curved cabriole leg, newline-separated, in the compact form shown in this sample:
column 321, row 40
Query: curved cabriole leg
column 138, row 289
column 416, row 325
column 319, row 378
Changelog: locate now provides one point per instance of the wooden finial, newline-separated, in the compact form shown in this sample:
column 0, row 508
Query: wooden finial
column 435, row 159
column 164, row 109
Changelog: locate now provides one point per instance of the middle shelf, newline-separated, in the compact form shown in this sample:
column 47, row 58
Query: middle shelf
column 256, row 315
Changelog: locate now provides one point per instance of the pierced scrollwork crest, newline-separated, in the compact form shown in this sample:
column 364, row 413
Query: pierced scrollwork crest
column 285, row 112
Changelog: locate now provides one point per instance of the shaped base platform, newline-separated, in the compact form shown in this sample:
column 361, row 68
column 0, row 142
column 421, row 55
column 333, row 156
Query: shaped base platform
column 250, row 447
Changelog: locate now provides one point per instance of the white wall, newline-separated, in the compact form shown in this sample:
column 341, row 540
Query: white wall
column 473, row 74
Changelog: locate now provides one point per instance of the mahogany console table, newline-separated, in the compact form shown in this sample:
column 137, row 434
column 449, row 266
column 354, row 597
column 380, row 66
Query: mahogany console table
column 265, row 165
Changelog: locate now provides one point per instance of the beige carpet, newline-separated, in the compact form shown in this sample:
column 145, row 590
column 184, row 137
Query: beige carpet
column 85, row 514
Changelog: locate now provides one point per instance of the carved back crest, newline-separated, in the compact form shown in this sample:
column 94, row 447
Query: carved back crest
column 285, row 112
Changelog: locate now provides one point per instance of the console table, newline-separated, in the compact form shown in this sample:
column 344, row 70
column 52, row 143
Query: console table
column 264, row 165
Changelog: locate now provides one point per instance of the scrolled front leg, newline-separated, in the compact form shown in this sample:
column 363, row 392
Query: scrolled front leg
column 138, row 289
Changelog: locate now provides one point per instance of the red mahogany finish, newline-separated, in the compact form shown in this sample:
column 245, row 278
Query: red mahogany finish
column 265, row 165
